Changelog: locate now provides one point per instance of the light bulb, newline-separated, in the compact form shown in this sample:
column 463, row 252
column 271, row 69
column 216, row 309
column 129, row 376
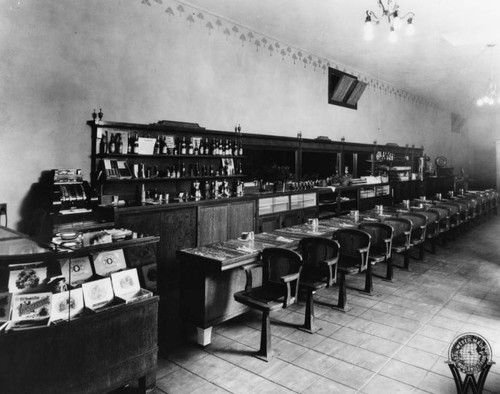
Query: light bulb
column 410, row 29
column 368, row 31
column 396, row 23
column 490, row 101
column 480, row 102
column 393, row 37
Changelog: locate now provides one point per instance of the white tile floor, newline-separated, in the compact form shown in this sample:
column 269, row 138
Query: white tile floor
column 393, row 342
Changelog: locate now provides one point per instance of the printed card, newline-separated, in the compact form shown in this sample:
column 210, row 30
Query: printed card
column 126, row 284
column 98, row 293
column 106, row 263
column 26, row 277
column 76, row 270
column 67, row 305
column 31, row 309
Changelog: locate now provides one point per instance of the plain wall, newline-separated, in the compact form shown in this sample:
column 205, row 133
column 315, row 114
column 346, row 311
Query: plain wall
column 142, row 63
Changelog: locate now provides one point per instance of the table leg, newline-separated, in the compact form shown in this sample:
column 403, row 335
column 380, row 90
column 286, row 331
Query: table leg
column 341, row 305
column 204, row 337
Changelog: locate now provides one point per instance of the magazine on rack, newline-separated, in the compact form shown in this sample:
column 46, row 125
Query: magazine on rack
column 76, row 270
column 127, row 287
column 30, row 310
column 98, row 293
column 105, row 263
column 67, row 305
column 26, row 277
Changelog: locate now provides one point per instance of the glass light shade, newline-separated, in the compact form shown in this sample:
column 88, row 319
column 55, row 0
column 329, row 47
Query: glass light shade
column 393, row 36
column 479, row 102
column 410, row 29
column 368, row 31
column 396, row 23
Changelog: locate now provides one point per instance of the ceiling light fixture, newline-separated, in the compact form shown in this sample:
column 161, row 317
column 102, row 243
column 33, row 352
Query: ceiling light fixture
column 391, row 11
column 492, row 95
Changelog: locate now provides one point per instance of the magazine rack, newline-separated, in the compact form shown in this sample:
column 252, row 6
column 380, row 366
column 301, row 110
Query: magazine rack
column 95, row 353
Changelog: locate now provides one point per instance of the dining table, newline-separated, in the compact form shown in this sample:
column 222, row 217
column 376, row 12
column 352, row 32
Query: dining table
column 212, row 273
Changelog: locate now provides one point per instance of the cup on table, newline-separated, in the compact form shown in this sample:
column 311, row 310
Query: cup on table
column 355, row 215
column 450, row 193
column 422, row 197
column 438, row 196
column 406, row 203
column 379, row 208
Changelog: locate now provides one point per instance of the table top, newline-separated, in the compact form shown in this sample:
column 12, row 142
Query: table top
column 237, row 252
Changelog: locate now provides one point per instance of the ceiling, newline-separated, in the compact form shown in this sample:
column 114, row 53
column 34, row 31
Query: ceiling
column 446, row 62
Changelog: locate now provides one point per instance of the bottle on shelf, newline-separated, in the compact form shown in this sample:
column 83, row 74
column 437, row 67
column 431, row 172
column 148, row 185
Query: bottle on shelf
column 112, row 146
column 130, row 143
column 196, row 148
column 206, row 190
column 103, row 146
column 176, row 150
column 118, row 143
column 156, row 149
column 190, row 147
column 215, row 147
column 183, row 170
column 183, row 146
column 143, row 194
column 201, row 149
column 240, row 149
column 206, row 147
column 163, row 146
column 135, row 148
column 235, row 148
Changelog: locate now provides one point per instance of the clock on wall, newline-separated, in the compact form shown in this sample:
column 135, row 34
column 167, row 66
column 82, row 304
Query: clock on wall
column 441, row 161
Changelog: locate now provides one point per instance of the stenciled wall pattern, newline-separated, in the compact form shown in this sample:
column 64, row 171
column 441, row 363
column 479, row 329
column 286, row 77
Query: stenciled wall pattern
column 259, row 42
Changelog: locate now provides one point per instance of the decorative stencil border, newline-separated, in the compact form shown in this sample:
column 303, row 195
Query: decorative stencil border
column 267, row 45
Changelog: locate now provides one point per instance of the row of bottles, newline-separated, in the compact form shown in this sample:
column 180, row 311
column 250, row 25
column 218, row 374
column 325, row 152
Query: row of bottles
column 217, row 147
column 187, row 146
column 181, row 171
column 199, row 191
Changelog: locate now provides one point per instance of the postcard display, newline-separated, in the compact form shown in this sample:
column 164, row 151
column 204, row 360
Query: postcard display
column 72, row 312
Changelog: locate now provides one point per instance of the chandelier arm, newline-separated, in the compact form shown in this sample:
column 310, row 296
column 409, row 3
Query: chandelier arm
column 381, row 5
column 407, row 15
column 371, row 14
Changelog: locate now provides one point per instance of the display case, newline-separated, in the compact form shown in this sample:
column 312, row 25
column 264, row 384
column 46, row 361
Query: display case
column 54, row 337
column 283, row 210
column 339, row 200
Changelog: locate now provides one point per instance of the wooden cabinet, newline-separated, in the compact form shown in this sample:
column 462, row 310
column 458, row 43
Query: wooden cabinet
column 93, row 354
column 181, row 160
column 241, row 218
column 218, row 223
column 212, row 224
